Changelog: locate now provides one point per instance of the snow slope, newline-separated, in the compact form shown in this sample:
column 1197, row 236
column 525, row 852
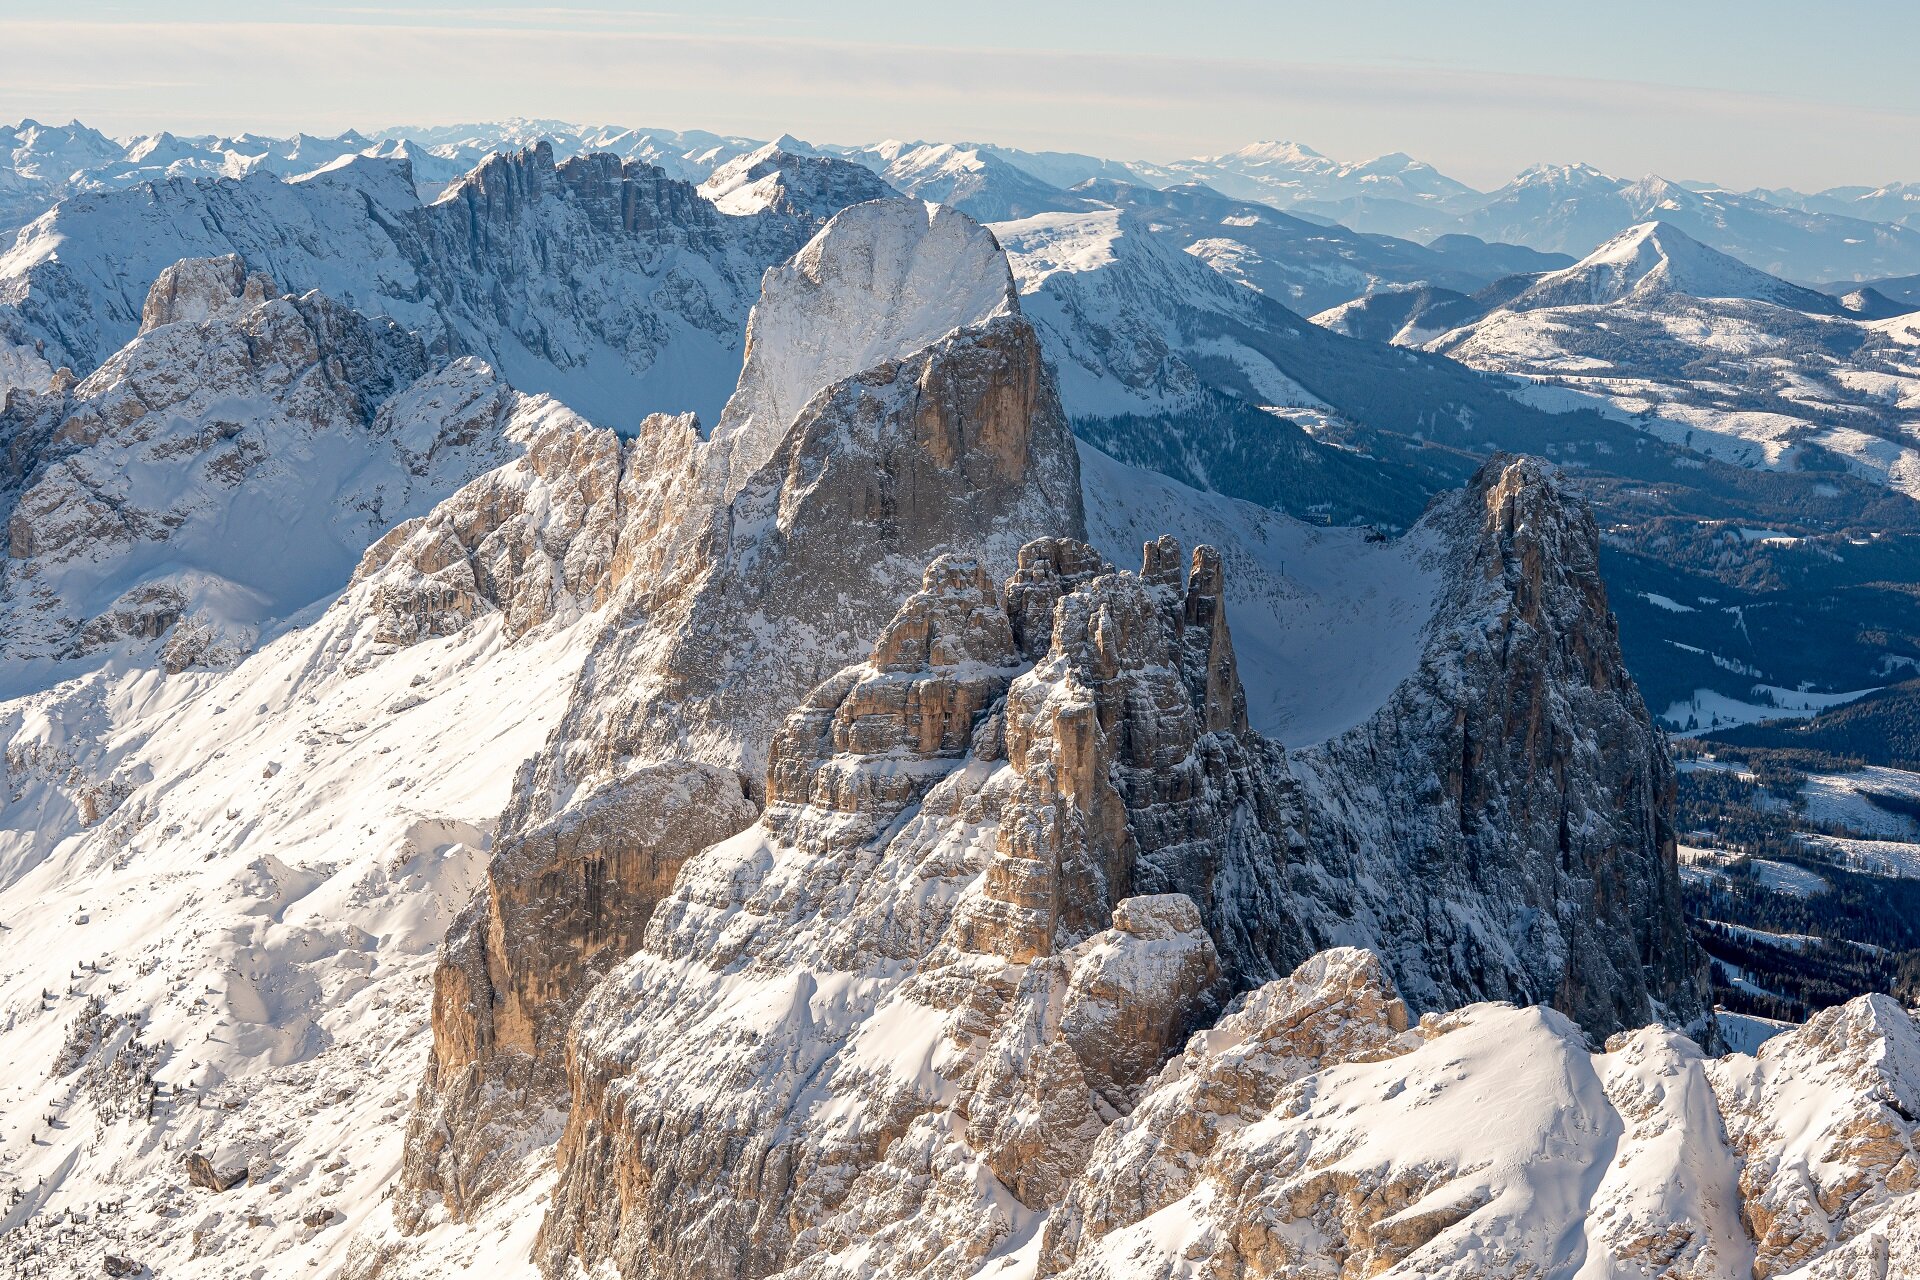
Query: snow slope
column 1134, row 325
column 606, row 283
column 788, row 176
column 290, row 841
column 1656, row 330
column 226, row 469
column 980, row 181
column 1650, row 259
column 1326, row 623
column 1572, row 208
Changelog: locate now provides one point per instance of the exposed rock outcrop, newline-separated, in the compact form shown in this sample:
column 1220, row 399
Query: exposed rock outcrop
column 565, row 900
column 775, row 178
column 766, row 579
column 725, row 598
column 227, row 467
column 202, row 289
column 1374, row 1153
column 948, row 905
column 1503, row 824
column 1823, row 1122
column 864, row 978
column 554, row 535
column 885, row 280
column 603, row 282
column 202, row 1172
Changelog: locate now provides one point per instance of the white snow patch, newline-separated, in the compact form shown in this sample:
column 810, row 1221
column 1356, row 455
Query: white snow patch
column 1326, row 624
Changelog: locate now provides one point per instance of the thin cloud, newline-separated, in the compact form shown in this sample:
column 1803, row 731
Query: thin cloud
column 558, row 18
column 1482, row 126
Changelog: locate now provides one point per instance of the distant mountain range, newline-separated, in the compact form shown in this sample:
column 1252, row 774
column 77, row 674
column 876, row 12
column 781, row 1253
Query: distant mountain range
column 1682, row 379
column 1842, row 234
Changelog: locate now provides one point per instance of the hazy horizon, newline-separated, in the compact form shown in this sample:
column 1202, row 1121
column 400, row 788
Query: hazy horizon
column 1647, row 91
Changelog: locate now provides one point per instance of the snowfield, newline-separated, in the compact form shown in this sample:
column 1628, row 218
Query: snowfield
column 1327, row 623
column 255, row 922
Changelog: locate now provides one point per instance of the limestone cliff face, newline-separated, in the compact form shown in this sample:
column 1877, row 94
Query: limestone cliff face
column 893, row 969
column 935, row 929
column 603, row 282
column 1325, row 1146
column 565, row 900
column 722, row 600
column 962, row 445
column 551, row 537
column 771, row 579
column 1011, row 856
column 1138, row 772
column 202, row 288
column 1823, row 1121
column 1504, row 823
column 1337, row 1007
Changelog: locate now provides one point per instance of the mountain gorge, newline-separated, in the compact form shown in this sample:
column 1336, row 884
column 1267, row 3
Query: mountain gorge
column 663, row 705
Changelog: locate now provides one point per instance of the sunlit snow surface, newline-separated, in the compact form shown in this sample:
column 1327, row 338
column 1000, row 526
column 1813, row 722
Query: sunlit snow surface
column 1709, row 709
column 267, row 900
column 1127, row 316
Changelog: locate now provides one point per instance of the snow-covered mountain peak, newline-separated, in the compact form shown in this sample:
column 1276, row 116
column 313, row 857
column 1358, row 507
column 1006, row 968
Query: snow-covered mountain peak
column 879, row 282
column 387, row 180
column 789, row 177
column 1577, row 174
column 52, row 153
column 1296, row 154
column 225, row 470
column 1656, row 259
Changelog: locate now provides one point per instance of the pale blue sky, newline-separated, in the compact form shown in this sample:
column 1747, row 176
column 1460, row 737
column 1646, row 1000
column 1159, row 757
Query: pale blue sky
column 1761, row 92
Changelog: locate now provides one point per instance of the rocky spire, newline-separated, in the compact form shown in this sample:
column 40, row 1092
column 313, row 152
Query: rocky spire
column 1022, row 862
column 1538, row 864
column 202, row 288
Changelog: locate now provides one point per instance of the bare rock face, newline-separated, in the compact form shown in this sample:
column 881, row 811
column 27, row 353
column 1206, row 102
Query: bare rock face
column 202, row 1172
column 202, row 288
column 564, row 901
column 785, row 182
column 1089, row 1029
column 935, row 669
column 1490, row 1142
column 768, row 581
column 551, row 536
column 1337, row 1007
column 937, row 981
column 605, row 283
column 1505, row 822
column 961, row 446
column 881, row 1002
column 882, row 280
column 721, row 601
column 1823, row 1122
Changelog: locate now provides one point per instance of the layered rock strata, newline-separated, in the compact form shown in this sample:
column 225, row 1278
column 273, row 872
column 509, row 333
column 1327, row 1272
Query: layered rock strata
column 937, row 922
column 1503, row 826
column 728, row 572
column 919, row 1087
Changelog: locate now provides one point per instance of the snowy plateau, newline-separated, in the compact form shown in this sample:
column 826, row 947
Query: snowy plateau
column 585, row 703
